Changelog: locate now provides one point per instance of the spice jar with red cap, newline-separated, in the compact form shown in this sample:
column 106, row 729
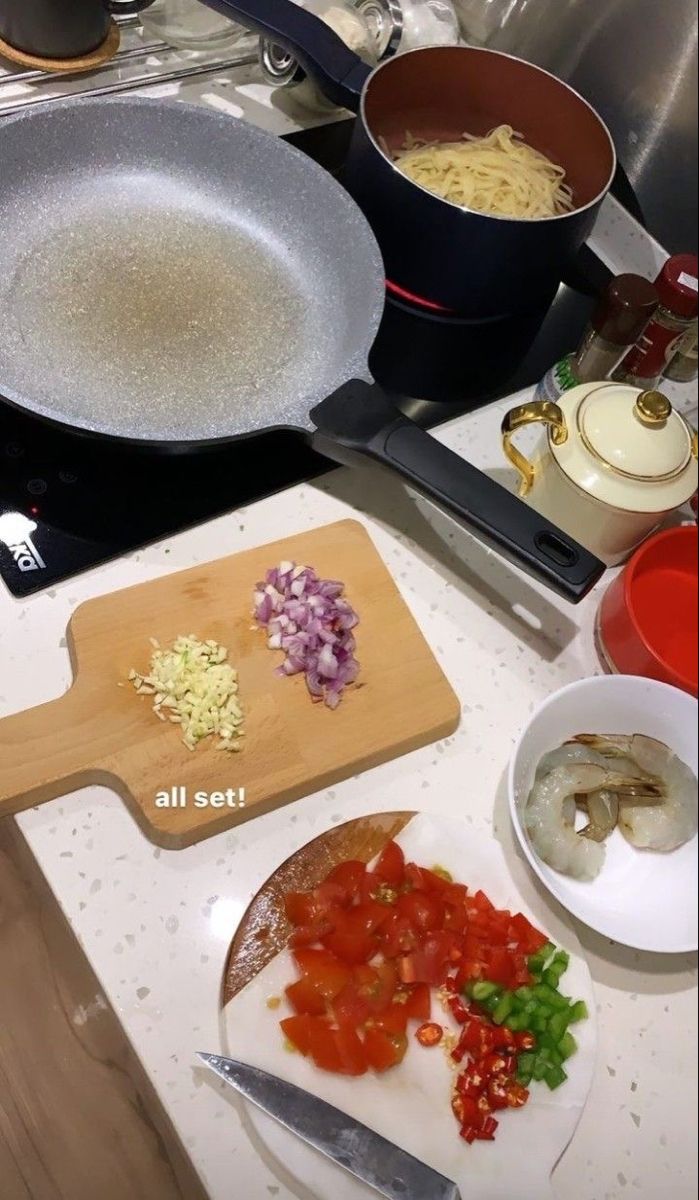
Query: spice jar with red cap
column 676, row 286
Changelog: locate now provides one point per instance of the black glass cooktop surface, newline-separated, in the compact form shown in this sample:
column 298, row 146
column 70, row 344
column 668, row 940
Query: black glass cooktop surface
column 68, row 503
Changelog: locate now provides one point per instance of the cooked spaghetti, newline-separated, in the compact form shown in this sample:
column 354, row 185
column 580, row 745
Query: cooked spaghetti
column 498, row 174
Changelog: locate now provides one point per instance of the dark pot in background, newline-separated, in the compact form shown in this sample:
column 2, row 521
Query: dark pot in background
column 60, row 29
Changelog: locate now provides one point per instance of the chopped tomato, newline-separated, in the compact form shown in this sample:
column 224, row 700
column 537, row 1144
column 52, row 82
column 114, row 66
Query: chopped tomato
column 350, row 1006
column 380, row 991
column 527, row 937
column 389, row 868
column 384, row 1050
column 429, row 1034
column 335, row 1048
column 349, row 877
column 415, row 877
column 300, row 907
column 432, row 961
column 482, row 902
column 369, row 990
column 306, row 935
column 423, row 910
column 351, row 945
column 469, row 969
column 378, row 890
column 351, row 1050
column 519, row 970
column 498, row 968
column 424, row 879
column 393, row 1019
column 455, row 917
column 396, row 935
column 298, row 1031
column 352, row 937
column 455, row 895
column 325, row 972
column 325, row 1050
column 418, row 1004
column 304, row 997
column 498, row 925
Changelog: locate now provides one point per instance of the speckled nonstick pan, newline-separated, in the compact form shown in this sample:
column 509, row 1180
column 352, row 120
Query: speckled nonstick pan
column 172, row 277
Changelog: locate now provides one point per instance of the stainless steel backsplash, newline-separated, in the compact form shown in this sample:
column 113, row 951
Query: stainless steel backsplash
column 636, row 62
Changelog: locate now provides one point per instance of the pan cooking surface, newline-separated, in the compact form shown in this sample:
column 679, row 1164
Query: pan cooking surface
column 180, row 277
column 161, row 309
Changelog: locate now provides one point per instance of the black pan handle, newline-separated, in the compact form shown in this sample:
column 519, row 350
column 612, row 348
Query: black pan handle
column 359, row 420
column 338, row 71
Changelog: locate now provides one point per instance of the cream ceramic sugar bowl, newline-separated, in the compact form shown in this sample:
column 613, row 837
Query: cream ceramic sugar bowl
column 614, row 463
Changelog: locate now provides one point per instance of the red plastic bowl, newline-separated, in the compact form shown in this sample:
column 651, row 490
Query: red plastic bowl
column 647, row 621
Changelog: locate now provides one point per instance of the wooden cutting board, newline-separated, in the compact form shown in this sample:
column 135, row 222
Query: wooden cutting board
column 104, row 733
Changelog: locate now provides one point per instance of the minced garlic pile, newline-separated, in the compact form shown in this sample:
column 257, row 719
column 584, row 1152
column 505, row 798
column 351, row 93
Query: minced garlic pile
column 195, row 687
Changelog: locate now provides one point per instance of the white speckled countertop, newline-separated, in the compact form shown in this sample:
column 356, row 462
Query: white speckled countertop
column 156, row 925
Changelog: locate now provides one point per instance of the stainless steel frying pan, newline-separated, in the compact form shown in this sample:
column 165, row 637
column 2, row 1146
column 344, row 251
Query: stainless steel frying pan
column 174, row 277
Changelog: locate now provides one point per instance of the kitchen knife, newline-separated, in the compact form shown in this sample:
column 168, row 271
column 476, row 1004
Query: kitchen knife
column 392, row 1171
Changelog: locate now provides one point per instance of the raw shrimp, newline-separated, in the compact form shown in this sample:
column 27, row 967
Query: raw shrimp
column 567, row 755
column 603, row 813
column 673, row 821
column 602, row 807
column 633, row 754
column 551, row 827
column 548, row 821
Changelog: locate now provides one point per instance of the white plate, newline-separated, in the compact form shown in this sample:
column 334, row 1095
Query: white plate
column 641, row 898
column 411, row 1104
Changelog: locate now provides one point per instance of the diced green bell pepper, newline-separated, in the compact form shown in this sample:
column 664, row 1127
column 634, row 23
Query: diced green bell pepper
column 551, row 997
column 567, row 1045
column 555, row 1076
column 503, row 1008
column 483, row 990
column 558, row 1024
column 578, row 1011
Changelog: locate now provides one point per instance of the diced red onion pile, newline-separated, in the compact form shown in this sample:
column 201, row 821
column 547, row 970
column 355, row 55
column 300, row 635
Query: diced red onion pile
column 308, row 619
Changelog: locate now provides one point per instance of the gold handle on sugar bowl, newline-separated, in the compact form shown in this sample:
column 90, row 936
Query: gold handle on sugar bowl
column 527, row 414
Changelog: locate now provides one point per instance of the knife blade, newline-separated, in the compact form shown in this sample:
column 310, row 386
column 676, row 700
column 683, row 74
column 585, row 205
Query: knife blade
column 392, row 1171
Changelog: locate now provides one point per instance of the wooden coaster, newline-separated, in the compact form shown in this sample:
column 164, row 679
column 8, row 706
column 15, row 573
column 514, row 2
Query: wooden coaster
column 71, row 66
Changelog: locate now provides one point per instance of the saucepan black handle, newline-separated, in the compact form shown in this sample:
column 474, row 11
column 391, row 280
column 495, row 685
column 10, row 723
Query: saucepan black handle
column 338, row 71
column 359, row 420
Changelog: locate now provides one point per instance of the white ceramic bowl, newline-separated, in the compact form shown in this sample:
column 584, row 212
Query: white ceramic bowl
column 641, row 898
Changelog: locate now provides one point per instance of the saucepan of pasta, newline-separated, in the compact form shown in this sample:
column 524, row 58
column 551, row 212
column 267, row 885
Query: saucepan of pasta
column 480, row 174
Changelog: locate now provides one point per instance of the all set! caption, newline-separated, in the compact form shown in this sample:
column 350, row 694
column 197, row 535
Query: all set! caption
column 178, row 797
